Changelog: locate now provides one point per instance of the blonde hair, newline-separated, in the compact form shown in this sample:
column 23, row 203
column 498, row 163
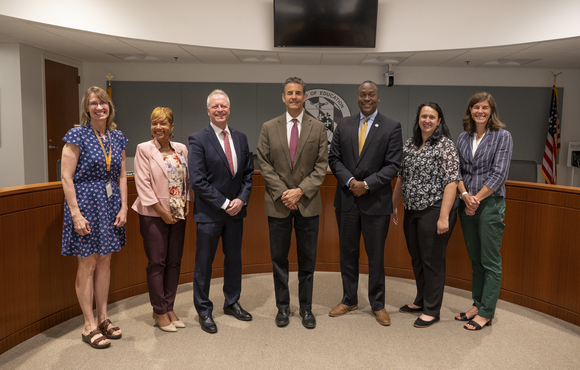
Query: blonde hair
column 161, row 113
column 104, row 97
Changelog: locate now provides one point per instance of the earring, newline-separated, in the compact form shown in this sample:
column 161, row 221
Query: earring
column 171, row 136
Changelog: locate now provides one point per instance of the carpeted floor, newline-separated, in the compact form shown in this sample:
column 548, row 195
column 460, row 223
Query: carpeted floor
column 520, row 338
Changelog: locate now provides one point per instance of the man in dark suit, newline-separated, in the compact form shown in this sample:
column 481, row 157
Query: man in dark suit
column 365, row 155
column 293, row 154
column 220, row 171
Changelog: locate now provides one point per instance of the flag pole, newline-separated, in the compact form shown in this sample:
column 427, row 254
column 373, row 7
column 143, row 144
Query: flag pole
column 555, row 76
column 110, row 89
column 557, row 129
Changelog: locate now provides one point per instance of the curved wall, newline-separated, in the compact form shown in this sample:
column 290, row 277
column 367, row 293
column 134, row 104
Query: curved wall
column 404, row 25
column 541, row 258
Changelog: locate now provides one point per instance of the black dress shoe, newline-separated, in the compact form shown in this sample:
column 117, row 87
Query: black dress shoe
column 407, row 309
column 308, row 319
column 283, row 317
column 238, row 312
column 207, row 324
column 420, row 323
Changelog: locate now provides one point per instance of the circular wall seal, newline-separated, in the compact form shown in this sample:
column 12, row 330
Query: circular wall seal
column 326, row 106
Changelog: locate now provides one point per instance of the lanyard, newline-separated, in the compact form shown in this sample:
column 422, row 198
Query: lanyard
column 107, row 157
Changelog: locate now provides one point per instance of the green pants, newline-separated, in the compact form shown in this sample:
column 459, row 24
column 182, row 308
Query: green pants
column 483, row 233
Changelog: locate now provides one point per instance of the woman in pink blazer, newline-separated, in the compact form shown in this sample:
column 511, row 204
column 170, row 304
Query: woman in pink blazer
column 162, row 182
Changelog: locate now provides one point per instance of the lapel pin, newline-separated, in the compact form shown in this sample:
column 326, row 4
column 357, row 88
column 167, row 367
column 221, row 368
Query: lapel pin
column 376, row 125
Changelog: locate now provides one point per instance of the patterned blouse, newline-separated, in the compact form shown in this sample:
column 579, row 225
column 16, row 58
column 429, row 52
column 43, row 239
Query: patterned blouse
column 176, row 175
column 425, row 173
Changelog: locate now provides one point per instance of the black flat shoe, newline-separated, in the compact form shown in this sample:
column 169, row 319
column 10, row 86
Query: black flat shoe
column 283, row 318
column 420, row 323
column 238, row 312
column 407, row 309
column 308, row 319
column 476, row 325
column 207, row 324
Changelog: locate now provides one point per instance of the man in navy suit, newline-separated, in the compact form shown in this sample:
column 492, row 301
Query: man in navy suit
column 220, row 172
column 365, row 156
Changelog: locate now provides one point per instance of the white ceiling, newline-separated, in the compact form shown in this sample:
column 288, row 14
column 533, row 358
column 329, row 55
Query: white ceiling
column 92, row 47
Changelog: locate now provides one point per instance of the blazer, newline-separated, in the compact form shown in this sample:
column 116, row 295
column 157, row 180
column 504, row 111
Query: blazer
column 211, row 177
column 151, row 177
column 490, row 165
column 378, row 163
column 310, row 165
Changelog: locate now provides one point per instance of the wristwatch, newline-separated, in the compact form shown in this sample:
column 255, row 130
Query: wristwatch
column 366, row 185
column 462, row 194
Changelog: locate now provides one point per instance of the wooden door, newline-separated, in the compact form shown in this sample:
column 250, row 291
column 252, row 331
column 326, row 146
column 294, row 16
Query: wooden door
column 62, row 108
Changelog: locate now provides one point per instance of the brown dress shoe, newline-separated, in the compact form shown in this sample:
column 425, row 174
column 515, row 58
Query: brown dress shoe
column 341, row 309
column 382, row 317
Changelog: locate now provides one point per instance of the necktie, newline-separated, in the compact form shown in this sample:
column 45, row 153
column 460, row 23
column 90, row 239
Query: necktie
column 362, row 135
column 293, row 140
column 228, row 151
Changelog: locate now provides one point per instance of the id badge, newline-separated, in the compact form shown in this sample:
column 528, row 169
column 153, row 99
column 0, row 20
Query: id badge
column 183, row 161
column 109, row 189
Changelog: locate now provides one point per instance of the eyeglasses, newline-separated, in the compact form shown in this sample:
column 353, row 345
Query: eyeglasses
column 216, row 107
column 96, row 105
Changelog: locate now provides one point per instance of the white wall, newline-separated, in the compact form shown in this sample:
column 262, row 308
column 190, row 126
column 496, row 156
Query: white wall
column 22, row 113
column 33, row 115
column 94, row 74
column 404, row 25
column 11, row 135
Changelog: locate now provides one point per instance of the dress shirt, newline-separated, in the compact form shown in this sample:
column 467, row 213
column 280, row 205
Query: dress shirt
column 220, row 136
column 476, row 143
column 289, row 124
column 369, row 125
column 491, row 163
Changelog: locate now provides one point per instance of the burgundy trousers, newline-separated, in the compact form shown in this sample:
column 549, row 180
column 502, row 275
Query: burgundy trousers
column 164, row 248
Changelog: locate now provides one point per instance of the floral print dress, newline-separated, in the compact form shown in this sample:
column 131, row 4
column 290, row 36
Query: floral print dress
column 176, row 176
column 89, row 182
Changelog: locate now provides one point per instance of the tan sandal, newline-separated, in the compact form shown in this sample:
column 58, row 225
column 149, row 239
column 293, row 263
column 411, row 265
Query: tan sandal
column 109, row 332
column 98, row 343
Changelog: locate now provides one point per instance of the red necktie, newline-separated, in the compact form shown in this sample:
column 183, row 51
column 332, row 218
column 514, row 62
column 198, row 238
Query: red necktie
column 228, row 150
column 293, row 140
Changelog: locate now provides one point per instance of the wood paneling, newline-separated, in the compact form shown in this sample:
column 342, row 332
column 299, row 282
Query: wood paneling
column 540, row 254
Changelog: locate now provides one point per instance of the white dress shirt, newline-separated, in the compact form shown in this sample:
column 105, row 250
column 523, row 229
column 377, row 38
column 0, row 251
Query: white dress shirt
column 289, row 124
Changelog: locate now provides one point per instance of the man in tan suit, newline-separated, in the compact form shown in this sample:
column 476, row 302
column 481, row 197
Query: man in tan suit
column 293, row 154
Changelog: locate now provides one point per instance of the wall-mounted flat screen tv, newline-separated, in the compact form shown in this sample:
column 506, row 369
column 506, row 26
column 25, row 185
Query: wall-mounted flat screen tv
column 325, row 23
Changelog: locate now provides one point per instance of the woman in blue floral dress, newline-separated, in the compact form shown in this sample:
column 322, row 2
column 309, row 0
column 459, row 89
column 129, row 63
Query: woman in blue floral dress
column 94, row 181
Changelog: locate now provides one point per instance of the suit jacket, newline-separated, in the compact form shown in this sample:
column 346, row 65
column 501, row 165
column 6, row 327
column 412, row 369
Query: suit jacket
column 378, row 163
column 211, row 177
column 151, row 177
column 491, row 164
column 310, row 164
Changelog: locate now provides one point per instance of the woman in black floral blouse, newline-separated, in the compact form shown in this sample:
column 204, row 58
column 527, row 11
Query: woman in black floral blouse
column 428, row 182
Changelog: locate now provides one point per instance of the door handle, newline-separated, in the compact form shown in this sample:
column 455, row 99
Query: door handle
column 52, row 147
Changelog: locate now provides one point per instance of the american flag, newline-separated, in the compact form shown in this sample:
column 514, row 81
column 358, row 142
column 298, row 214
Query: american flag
column 550, row 162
